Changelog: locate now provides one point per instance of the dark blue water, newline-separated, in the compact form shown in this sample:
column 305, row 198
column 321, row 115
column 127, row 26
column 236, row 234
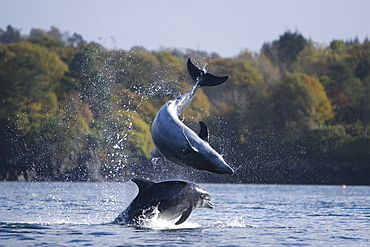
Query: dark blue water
column 79, row 214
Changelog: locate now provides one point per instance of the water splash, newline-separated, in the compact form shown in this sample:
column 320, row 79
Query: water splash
column 154, row 222
column 237, row 222
column 160, row 224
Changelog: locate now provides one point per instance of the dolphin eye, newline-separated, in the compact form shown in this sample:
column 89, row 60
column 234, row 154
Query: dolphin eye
column 205, row 196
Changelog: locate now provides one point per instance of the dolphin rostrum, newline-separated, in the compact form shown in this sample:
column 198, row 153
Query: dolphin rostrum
column 170, row 198
column 177, row 142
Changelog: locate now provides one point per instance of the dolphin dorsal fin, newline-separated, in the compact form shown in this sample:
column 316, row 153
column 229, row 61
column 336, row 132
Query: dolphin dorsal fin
column 142, row 183
column 191, row 145
column 185, row 215
column 203, row 133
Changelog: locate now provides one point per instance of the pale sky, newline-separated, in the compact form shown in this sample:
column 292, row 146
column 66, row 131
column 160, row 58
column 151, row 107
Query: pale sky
column 226, row 27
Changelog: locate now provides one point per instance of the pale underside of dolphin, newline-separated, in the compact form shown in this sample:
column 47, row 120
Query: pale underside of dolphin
column 177, row 142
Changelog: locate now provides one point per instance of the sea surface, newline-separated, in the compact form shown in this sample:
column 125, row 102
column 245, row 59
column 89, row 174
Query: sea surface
column 80, row 214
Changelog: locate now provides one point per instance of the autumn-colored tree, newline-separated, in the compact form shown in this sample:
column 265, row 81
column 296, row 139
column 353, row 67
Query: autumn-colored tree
column 28, row 77
column 301, row 98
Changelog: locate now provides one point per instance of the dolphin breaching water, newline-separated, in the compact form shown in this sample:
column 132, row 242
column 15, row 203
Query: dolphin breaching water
column 170, row 198
column 176, row 142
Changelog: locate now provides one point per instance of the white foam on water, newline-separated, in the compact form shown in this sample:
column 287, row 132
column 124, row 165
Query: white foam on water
column 161, row 224
column 237, row 222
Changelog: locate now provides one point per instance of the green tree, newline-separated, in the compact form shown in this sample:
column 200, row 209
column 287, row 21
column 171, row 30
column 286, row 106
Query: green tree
column 28, row 76
column 138, row 70
column 76, row 40
column 344, row 89
column 239, row 100
column 315, row 59
column 283, row 52
column 88, row 67
column 55, row 33
column 338, row 46
column 29, row 106
column 11, row 35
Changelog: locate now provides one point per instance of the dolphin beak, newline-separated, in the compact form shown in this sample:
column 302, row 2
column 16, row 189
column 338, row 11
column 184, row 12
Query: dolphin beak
column 209, row 204
column 229, row 170
column 222, row 167
column 225, row 169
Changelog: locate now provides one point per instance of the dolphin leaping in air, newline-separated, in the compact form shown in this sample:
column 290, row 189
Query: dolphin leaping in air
column 177, row 142
column 172, row 199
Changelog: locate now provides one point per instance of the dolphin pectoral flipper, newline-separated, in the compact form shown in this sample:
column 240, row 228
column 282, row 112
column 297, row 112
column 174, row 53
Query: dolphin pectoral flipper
column 204, row 78
column 185, row 215
column 203, row 133
column 191, row 145
column 156, row 154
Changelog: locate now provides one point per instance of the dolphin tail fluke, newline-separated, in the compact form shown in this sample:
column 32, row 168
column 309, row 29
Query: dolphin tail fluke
column 204, row 78
column 211, row 80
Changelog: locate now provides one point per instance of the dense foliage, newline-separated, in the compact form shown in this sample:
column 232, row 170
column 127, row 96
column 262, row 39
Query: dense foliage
column 298, row 112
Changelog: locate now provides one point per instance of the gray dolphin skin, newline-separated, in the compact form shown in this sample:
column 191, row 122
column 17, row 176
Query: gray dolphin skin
column 177, row 142
column 171, row 198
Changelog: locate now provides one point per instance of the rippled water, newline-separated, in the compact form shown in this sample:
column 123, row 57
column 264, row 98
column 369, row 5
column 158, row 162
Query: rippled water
column 79, row 214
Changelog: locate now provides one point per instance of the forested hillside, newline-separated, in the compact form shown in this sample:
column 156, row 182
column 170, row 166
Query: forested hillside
column 297, row 112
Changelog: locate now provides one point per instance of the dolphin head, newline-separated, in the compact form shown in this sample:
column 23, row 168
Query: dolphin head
column 204, row 200
column 214, row 162
column 222, row 166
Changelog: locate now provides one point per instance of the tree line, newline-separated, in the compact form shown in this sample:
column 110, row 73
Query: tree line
column 71, row 110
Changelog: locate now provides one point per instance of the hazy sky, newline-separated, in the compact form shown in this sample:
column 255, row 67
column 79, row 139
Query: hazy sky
column 226, row 27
